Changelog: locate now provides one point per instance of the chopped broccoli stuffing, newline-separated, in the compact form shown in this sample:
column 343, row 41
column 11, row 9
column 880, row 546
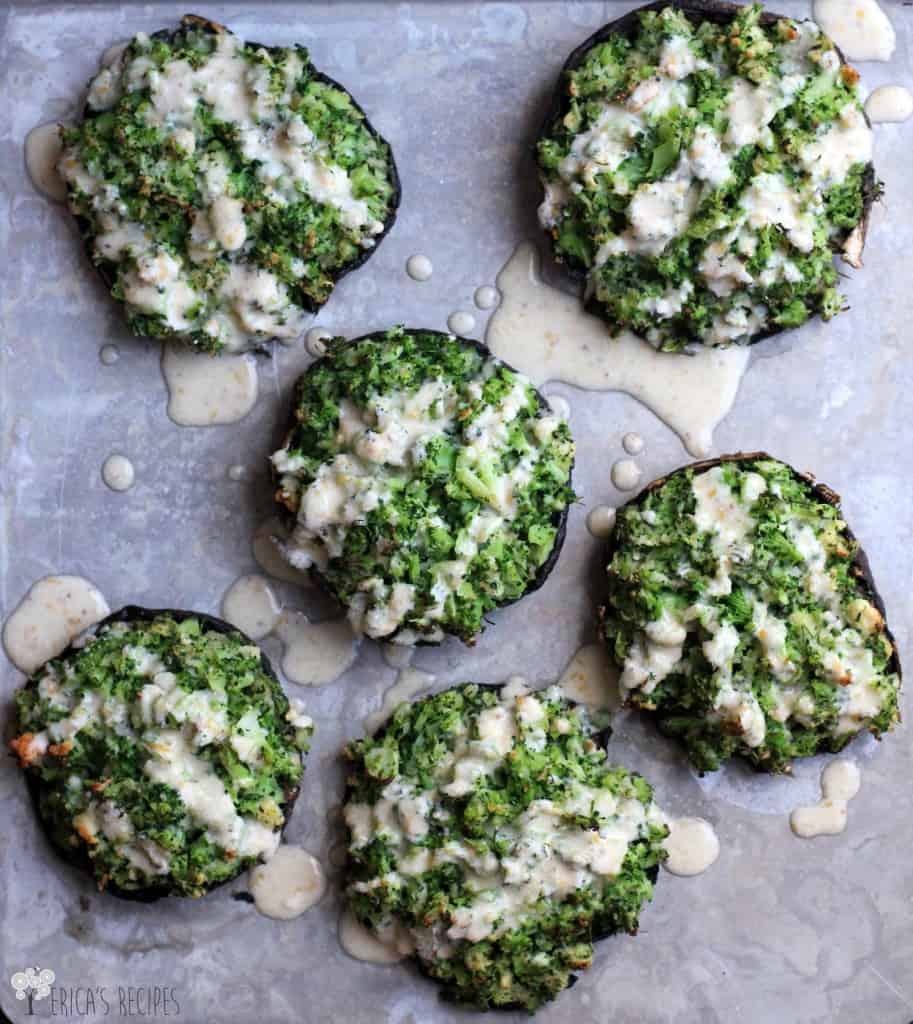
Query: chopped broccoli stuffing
column 489, row 834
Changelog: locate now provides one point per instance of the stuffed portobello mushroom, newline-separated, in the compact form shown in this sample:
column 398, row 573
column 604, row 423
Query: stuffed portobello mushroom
column 491, row 839
column 743, row 614
column 428, row 481
column 223, row 187
column 702, row 163
column 161, row 753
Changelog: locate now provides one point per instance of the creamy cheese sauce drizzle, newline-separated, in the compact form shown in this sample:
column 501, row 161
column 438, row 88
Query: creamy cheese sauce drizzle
column 692, row 846
column 486, row 297
column 204, row 390
column 250, row 605
column 859, row 27
column 419, row 267
column 315, row 341
column 840, row 782
column 460, row 322
column 408, row 683
column 632, row 443
column 545, row 334
column 625, row 474
column 288, row 884
column 118, row 473
column 315, row 652
column 54, row 612
column 42, row 151
column 362, row 944
column 889, row 103
column 264, row 546
column 109, row 354
column 591, row 679
column 601, row 521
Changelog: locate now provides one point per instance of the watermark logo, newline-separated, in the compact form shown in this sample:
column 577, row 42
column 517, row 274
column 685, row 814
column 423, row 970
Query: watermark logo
column 33, row 983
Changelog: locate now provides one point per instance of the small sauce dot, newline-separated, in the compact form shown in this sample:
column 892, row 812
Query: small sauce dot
column 419, row 267
column 109, row 354
column 117, row 472
column 237, row 472
column 625, row 474
column 601, row 521
column 460, row 322
column 486, row 297
column 632, row 443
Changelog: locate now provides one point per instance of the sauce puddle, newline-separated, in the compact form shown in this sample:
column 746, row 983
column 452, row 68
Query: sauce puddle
column 205, row 390
column 408, row 683
column 840, row 782
column 591, row 679
column 289, row 883
column 313, row 653
column 889, row 104
column 546, row 334
column 42, row 151
column 692, row 846
column 373, row 947
column 52, row 614
column 859, row 27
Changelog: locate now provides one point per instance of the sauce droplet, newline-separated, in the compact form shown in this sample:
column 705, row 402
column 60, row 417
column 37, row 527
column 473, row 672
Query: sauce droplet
column 109, row 354
column 486, row 297
column 625, row 474
column 692, row 846
column 889, row 103
column 632, row 443
column 237, row 472
column 288, row 884
column 117, row 472
column 601, row 521
column 419, row 267
column 460, row 322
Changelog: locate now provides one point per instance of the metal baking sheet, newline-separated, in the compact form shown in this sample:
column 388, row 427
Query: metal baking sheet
column 779, row 929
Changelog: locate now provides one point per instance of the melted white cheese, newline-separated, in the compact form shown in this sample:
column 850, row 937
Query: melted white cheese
column 848, row 142
column 174, row 763
column 548, row 854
